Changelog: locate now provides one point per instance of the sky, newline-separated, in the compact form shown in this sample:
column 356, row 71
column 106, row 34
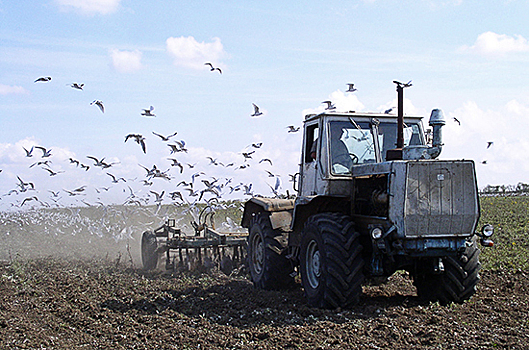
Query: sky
column 468, row 58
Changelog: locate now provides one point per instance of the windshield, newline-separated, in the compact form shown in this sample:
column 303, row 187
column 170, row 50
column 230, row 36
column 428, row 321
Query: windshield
column 387, row 136
column 350, row 143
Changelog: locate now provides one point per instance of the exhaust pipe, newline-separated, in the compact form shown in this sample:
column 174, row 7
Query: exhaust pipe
column 396, row 153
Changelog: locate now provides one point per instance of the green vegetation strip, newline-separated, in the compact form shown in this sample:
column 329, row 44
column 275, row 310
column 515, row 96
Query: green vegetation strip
column 510, row 217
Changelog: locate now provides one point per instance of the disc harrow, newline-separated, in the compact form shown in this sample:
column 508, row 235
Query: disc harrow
column 205, row 249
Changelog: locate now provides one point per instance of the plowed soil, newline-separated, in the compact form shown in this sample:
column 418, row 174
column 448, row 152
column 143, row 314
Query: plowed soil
column 50, row 303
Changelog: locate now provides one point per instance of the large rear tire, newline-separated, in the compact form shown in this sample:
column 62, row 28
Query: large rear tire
column 149, row 255
column 331, row 263
column 457, row 283
column 269, row 267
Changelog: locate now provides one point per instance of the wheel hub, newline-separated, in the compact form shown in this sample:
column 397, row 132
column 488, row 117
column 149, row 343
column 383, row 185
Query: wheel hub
column 258, row 254
column 313, row 264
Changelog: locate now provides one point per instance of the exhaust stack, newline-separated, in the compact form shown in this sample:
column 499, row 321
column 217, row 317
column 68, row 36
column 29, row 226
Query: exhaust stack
column 396, row 154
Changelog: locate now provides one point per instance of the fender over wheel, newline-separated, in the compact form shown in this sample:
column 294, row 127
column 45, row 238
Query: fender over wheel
column 331, row 263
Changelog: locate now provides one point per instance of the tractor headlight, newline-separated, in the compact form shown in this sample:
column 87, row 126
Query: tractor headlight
column 487, row 230
column 376, row 233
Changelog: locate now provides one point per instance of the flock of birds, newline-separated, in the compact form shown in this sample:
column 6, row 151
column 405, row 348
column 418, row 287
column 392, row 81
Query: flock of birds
column 186, row 185
column 197, row 188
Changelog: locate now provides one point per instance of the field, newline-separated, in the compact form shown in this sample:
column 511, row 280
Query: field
column 71, row 279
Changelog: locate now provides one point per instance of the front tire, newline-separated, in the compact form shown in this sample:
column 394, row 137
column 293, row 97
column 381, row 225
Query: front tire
column 269, row 267
column 457, row 283
column 331, row 263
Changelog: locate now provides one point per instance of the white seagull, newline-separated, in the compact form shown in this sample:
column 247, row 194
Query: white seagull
column 256, row 112
column 351, row 87
column 77, row 86
column 213, row 68
column 43, row 79
column 329, row 105
column 99, row 104
column 148, row 112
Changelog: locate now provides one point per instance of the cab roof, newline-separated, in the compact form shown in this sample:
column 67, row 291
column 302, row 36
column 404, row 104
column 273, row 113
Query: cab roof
column 353, row 114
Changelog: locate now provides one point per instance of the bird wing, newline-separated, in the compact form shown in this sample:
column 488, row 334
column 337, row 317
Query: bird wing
column 161, row 136
column 93, row 158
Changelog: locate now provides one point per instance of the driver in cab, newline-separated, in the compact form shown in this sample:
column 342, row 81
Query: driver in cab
column 340, row 155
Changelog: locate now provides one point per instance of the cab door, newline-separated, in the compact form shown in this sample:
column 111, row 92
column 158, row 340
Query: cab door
column 311, row 159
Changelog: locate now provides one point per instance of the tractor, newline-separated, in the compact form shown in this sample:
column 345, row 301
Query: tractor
column 372, row 199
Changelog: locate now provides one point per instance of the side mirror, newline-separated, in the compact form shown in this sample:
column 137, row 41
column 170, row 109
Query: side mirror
column 295, row 181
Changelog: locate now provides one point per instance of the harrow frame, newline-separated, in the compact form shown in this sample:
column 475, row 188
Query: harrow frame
column 207, row 247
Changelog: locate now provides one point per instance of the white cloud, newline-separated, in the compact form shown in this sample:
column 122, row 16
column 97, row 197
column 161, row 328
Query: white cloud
column 126, row 61
column 490, row 43
column 89, row 7
column 7, row 89
column 343, row 102
column 409, row 108
column 506, row 160
column 189, row 53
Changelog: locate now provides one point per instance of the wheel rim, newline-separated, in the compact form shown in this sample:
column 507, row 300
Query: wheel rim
column 257, row 253
column 313, row 264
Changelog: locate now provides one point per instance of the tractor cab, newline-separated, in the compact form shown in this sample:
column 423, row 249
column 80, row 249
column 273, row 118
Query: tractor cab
column 334, row 143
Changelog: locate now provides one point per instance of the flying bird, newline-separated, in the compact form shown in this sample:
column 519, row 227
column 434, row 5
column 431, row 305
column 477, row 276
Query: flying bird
column 265, row 160
column 24, row 185
column 28, row 153
column 176, row 195
column 46, row 162
column 457, row 121
column 43, row 79
column 270, row 174
column 256, row 112
column 148, row 112
column 179, row 147
column 45, row 153
column 139, row 139
column 165, row 138
column 74, row 161
column 116, row 179
column 53, row 173
column 389, row 110
column 100, row 163
column 275, row 188
column 351, row 87
column 247, row 155
column 159, row 196
column 99, row 104
column 77, row 86
column 177, row 163
column 490, row 143
column 27, row 199
column 213, row 68
column 292, row 128
column 329, row 105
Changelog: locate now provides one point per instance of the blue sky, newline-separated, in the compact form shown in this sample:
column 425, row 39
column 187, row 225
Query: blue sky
column 468, row 58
